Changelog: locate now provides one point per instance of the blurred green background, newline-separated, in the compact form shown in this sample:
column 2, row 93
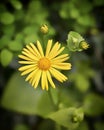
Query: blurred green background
column 22, row 107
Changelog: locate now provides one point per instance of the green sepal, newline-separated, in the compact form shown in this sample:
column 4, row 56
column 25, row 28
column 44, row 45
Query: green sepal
column 73, row 41
column 68, row 117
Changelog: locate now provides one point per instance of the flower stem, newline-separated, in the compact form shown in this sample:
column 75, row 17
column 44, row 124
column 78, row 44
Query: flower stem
column 52, row 100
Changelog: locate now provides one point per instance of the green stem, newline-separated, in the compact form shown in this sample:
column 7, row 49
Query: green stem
column 52, row 100
column 43, row 41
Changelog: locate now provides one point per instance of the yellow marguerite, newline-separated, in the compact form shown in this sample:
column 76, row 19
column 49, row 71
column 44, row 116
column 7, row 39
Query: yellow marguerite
column 40, row 66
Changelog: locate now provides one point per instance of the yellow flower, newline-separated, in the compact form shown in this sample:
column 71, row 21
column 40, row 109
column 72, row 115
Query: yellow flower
column 84, row 45
column 40, row 66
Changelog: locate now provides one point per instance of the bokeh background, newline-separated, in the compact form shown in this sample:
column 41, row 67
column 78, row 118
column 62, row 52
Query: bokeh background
column 19, row 24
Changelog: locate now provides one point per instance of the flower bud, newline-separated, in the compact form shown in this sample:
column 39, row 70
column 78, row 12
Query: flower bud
column 84, row 45
column 44, row 29
column 78, row 115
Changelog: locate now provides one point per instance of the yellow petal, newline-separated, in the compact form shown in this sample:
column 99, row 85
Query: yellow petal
column 38, row 75
column 30, row 55
column 36, row 78
column 26, row 67
column 35, row 50
column 30, row 49
column 32, row 74
column 50, row 79
column 28, row 71
column 60, row 57
column 56, row 60
column 49, row 45
column 59, row 51
column 40, row 48
column 54, row 50
column 43, row 80
column 62, row 66
column 25, row 58
column 46, row 83
column 58, row 75
column 27, row 62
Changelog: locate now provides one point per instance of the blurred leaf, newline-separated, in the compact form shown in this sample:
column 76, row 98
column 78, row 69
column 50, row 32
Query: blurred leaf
column 64, row 10
column 32, row 29
column 34, row 15
column 84, row 8
column 99, row 125
column 99, row 2
column 82, row 83
column 93, row 104
column 31, row 38
column 9, row 30
column 4, row 41
column 83, row 126
column 74, row 13
column 66, row 116
column 47, row 124
column 7, row 18
column 80, row 28
column 86, row 20
column 15, row 46
column 19, row 96
column 16, row 4
column 2, row 7
column 67, row 98
column 6, row 57
column 19, row 38
column 21, row 127
column 82, row 74
column 54, row 94
column 19, row 15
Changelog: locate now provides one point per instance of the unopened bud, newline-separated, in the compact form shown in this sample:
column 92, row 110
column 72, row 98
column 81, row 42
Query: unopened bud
column 44, row 29
column 84, row 45
column 78, row 115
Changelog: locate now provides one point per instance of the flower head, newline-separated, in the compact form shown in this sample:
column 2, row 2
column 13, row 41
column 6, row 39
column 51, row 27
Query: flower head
column 39, row 66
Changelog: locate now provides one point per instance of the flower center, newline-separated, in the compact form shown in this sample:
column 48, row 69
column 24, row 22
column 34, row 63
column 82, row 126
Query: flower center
column 44, row 63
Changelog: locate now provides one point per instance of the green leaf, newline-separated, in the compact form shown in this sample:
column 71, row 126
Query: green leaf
column 19, row 96
column 6, row 57
column 99, row 126
column 4, row 41
column 15, row 46
column 86, row 20
column 16, row 4
column 68, row 117
column 64, row 10
column 82, row 82
column 31, row 38
column 93, row 104
column 7, row 18
column 21, row 127
column 9, row 30
column 30, row 30
column 98, row 2
column 74, row 13
column 47, row 125
column 19, row 38
column 83, row 126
